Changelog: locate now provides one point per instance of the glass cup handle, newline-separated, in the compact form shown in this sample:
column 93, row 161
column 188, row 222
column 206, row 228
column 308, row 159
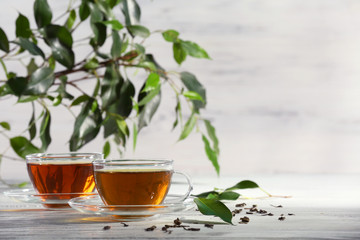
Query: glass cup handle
column 190, row 188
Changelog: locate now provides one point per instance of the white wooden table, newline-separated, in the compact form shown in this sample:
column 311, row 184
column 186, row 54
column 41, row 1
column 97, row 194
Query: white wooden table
column 324, row 207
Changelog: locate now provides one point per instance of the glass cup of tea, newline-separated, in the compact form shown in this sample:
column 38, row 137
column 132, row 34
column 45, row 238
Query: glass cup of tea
column 135, row 182
column 62, row 176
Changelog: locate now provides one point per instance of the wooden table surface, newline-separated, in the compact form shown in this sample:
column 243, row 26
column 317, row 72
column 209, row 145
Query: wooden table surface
column 324, row 207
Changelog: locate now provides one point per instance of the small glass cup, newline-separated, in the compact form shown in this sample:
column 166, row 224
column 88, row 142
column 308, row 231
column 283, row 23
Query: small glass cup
column 62, row 176
column 135, row 182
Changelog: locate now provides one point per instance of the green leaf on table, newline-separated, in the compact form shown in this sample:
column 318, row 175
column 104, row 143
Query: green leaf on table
column 152, row 82
column 4, row 42
column 45, row 131
column 179, row 53
column 40, row 81
column 214, row 207
column 193, row 95
column 31, row 67
column 245, row 184
column 205, row 194
column 114, row 24
column 211, row 154
column 228, row 195
column 5, row 125
column 194, row 50
column 42, row 13
column 22, row 27
column 170, row 35
column 116, row 46
column 17, row 85
column 131, row 11
column 31, row 47
column 189, row 126
column 106, row 149
column 23, row 146
column 138, row 30
column 71, row 19
column 192, row 84
column 84, row 10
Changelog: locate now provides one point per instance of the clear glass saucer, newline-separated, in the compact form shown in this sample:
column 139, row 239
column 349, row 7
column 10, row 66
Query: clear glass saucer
column 48, row 200
column 94, row 205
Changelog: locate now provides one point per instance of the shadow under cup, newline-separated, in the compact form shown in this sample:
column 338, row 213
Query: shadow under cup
column 61, row 176
column 134, row 182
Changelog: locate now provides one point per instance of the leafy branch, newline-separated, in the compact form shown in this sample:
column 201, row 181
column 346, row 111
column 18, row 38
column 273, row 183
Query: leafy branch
column 115, row 104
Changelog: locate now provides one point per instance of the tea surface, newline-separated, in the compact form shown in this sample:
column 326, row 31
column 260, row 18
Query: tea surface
column 62, row 177
column 133, row 187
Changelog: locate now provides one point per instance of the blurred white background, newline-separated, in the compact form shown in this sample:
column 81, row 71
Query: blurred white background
column 283, row 86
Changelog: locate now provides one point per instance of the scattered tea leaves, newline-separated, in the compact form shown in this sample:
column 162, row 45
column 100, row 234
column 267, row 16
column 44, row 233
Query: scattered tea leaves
column 209, row 225
column 106, row 228
column 240, row 205
column 291, row 214
column 124, row 224
column 244, row 220
column 192, row 229
column 282, row 218
column 152, row 228
column 278, row 206
column 177, row 221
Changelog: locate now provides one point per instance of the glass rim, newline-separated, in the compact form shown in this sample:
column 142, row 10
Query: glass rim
column 72, row 156
column 133, row 162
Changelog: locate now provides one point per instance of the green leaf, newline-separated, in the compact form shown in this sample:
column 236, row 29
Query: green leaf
column 62, row 89
column 189, row 126
column 32, row 125
column 80, row 99
column 25, row 99
column 193, row 96
column 211, row 132
column 113, row 3
column 211, row 154
column 17, row 85
column 40, row 81
column 116, row 46
column 93, row 63
column 135, row 134
column 179, row 53
column 106, row 149
column 228, row 195
column 152, row 82
column 31, row 47
column 243, row 185
column 122, row 126
column 71, row 19
column 45, row 131
column 124, row 105
column 4, row 42
column 214, row 207
column 170, row 35
column 98, row 28
column 22, row 27
column 194, row 50
column 114, row 24
column 5, row 125
column 205, row 194
column 150, row 95
column 192, row 84
column 138, row 30
column 31, row 67
column 147, row 111
column 22, row 146
column 131, row 11
column 42, row 13
column 86, row 127
column 84, row 10
column 60, row 41
column 110, row 86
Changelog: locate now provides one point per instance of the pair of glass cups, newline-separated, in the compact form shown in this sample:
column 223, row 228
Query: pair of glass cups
column 64, row 176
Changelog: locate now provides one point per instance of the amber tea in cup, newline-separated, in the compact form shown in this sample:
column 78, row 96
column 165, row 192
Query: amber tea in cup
column 134, row 182
column 62, row 175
